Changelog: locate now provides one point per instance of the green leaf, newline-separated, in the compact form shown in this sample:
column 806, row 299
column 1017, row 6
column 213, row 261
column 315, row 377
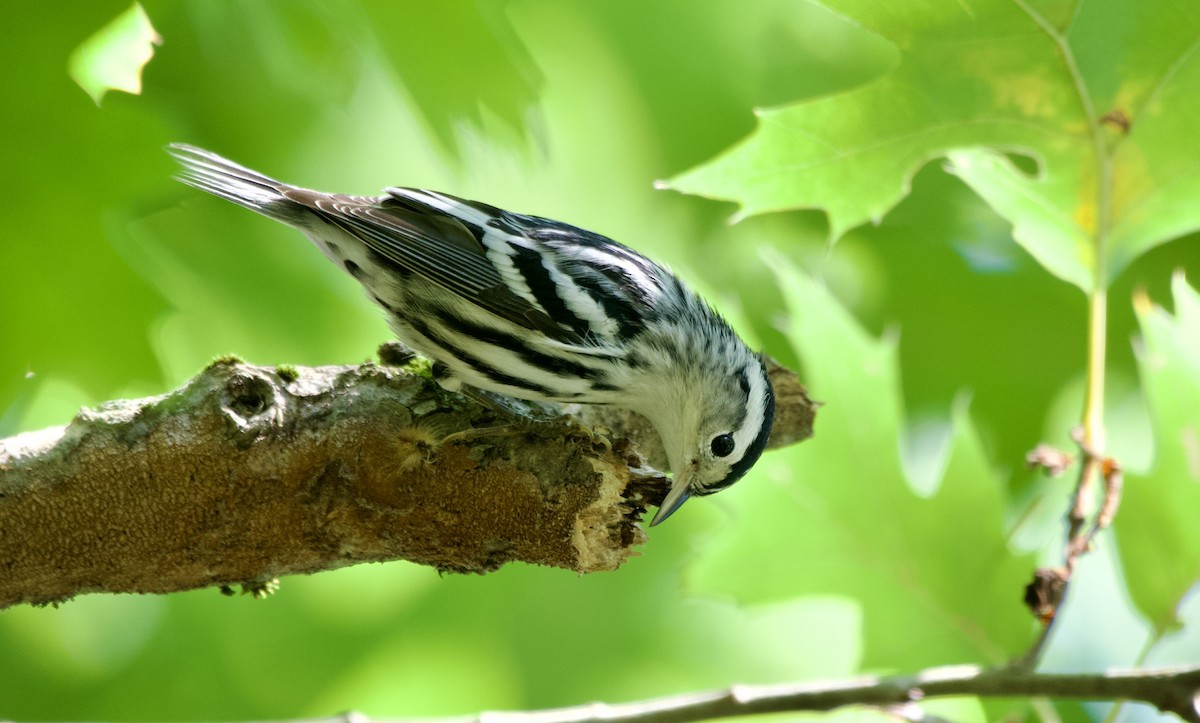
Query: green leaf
column 933, row 574
column 1157, row 528
column 113, row 57
column 1100, row 99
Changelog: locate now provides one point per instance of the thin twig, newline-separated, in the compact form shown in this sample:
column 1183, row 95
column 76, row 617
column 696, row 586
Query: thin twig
column 1108, row 469
column 1051, row 459
column 1169, row 690
column 1045, row 594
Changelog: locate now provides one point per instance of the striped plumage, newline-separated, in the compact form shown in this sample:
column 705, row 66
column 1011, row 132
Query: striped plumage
column 534, row 309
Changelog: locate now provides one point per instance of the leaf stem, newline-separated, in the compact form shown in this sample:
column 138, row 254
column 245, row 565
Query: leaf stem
column 1093, row 404
column 1093, row 409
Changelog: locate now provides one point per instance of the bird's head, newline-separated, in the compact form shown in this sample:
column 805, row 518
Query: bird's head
column 720, row 434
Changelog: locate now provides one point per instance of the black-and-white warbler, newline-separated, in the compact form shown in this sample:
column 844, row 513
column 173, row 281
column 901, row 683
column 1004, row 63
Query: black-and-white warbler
column 535, row 309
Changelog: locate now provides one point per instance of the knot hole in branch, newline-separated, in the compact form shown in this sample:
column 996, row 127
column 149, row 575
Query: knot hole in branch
column 250, row 400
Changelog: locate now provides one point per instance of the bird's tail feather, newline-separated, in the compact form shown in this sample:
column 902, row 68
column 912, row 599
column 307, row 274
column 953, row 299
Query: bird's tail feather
column 223, row 178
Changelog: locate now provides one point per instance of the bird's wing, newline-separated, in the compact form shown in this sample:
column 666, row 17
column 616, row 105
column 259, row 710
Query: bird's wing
column 576, row 287
column 435, row 246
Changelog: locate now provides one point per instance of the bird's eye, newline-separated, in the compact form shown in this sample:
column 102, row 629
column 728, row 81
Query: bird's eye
column 722, row 445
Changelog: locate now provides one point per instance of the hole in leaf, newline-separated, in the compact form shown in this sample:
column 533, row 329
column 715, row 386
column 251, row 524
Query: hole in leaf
column 1025, row 163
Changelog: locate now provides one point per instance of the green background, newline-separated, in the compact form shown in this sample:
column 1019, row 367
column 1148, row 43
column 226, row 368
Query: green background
column 899, row 537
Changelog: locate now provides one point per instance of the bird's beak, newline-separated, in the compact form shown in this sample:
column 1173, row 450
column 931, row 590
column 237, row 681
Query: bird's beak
column 679, row 494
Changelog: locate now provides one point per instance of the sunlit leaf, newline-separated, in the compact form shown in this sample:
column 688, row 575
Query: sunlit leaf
column 113, row 58
column 1098, row 99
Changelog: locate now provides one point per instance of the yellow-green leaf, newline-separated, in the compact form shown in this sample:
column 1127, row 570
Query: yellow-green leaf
column 1102, row 100
column 113, row 57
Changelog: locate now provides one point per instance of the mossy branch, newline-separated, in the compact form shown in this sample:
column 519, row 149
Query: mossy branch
column 248, row 473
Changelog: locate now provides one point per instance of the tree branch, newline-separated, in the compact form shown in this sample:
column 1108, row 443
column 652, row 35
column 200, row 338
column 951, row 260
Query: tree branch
column 1169, row 690
column 247, row 473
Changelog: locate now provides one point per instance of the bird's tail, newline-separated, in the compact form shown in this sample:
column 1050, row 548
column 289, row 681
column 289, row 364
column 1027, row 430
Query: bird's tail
column 222, row 177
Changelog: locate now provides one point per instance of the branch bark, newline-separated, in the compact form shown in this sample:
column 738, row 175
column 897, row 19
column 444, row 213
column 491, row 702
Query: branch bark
column 247, row 473
column 1170, row 690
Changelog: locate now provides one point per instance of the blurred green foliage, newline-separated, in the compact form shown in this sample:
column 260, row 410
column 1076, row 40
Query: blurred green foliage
column 814, row 540
column 898, row 537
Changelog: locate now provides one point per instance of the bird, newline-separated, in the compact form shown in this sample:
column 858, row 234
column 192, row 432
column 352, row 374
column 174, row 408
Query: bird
column 534, row 309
